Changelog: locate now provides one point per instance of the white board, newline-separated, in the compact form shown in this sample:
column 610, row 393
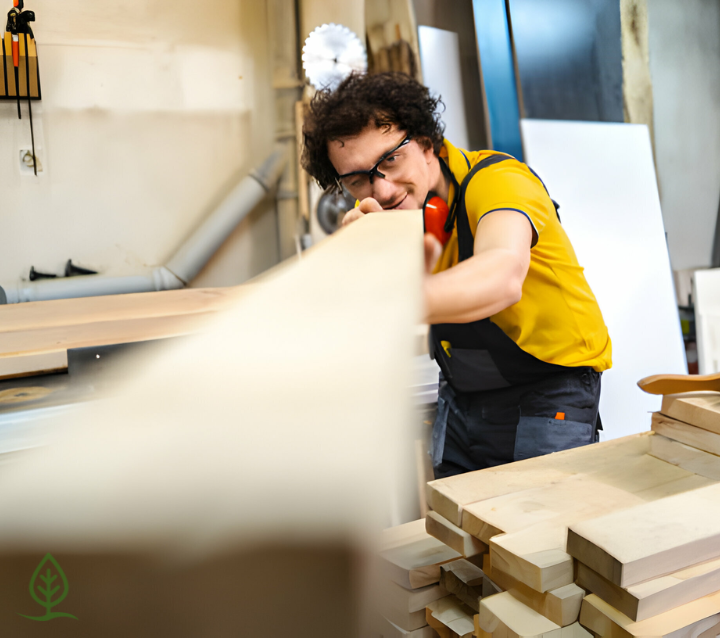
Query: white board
column 603, row 176
column 440, row 62
column 706, row 296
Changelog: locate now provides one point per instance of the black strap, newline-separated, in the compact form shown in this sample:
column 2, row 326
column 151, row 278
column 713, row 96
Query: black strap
column 466, row 239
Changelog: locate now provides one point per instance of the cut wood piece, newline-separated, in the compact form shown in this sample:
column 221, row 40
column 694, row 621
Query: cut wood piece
column 650, row 540
column 561, row 605
column 505, row 615
column 406, row 620
column 689, row 621
column 675, row 383
column 403, row 534
column 463, row 580
column 29, row 365
column 684, row 456
column 652, row 597
column 450, row 613
column 604, row 461
column 534, row 557
column 416, row 563
column 453, row 536
column 386, row 629
column 410, row 600
column 576, row 630
column 44, row 326
column 563, row 501
column 479, row 631
column 686, row 433
column 699, row 409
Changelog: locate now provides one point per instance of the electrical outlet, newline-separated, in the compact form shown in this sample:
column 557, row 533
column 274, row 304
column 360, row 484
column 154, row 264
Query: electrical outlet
column 26, row 162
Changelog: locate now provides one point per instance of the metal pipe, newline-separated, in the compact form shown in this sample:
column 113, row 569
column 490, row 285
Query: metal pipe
column 187, row 261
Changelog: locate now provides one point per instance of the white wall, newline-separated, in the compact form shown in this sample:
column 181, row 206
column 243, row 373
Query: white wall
column 151, row 110
column 685, row 69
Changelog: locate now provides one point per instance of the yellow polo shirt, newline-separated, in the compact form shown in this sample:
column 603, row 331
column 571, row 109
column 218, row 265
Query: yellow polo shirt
column 558, row 319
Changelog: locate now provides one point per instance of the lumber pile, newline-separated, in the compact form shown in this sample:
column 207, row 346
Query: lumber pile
column 618, row 539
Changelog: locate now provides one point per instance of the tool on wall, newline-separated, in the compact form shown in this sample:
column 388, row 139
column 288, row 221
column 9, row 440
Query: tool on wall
column 19, row 51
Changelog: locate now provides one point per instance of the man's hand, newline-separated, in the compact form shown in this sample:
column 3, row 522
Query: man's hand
column 367, row 205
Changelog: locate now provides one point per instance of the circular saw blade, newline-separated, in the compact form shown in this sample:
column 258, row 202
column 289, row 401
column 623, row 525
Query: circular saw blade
column 330, row 54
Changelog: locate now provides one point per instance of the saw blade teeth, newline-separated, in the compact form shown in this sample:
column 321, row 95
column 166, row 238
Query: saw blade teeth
column 330, row 53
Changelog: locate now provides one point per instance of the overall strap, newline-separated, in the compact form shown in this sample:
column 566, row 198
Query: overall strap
column 465, row 235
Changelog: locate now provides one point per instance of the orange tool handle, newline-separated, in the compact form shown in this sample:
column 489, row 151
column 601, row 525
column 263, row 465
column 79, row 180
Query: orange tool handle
column 16, row 51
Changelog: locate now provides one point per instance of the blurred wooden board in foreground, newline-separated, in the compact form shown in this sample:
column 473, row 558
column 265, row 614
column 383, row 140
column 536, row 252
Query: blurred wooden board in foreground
column 277, row 427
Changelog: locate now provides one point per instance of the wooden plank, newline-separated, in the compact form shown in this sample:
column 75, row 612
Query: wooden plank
column 650, row 540
column 685, row 433
column 691, row 619
column 688, row 458
column 416, row 563
column 47, row 326
column 451, row 614
column 701, row 409
column 607, row 460
column 463, row 580
column 33, row 364
column 386, row 629
column 562, row 501
column 175, row 465
column 402, row 534
column 453, row 536
column 652, row 597
column 534, row 557
column 561, row 605
column 503, row 614
column 22, row 75
column 408, row 601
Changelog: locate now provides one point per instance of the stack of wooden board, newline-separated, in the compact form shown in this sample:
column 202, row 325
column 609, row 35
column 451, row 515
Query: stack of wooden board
column 410, row 571
column 621, row 536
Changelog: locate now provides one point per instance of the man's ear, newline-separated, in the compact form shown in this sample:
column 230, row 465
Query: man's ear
column 426, row 146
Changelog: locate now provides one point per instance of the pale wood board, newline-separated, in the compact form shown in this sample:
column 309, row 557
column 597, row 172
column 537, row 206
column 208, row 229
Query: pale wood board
column 504, row 613
column 389, row 630
column 452, row 614
column 175, row 466
column 45, row 326
column 701, row 409
column 28, row 365
column 402, row 534
column 653, row 597
column 650, row 540
column 561, row 605
column 453, row 536
column 448, row 496
column 688, row 621
column 416, row 563
column 410, row 600
column 463, row 580
column 686, row 433
column 536, row 555
column 687, row 457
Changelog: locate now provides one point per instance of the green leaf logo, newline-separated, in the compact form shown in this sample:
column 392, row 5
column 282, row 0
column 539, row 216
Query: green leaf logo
column 43, row 592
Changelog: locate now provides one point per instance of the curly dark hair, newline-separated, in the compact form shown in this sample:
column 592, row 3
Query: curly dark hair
column 384, row 99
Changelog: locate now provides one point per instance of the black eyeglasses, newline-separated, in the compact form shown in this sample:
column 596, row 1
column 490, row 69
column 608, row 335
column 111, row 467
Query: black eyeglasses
column 357, row 181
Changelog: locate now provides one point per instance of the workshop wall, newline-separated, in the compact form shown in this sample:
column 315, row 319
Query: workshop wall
column 685, row 70
column 152, row 110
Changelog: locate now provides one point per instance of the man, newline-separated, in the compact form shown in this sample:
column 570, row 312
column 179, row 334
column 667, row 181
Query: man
column 515, row 328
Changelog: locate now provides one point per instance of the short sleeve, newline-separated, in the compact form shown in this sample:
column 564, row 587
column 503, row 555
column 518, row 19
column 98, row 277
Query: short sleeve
column 508, row 185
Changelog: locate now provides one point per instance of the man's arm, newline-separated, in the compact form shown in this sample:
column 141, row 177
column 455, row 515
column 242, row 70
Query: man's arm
column 491, row 280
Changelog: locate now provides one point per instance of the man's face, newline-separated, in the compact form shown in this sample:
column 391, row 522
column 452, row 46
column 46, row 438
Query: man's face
column 410, row 171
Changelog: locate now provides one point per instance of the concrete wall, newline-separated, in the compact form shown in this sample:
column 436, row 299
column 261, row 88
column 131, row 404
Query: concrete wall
column 151, row 111
column 685, row 69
